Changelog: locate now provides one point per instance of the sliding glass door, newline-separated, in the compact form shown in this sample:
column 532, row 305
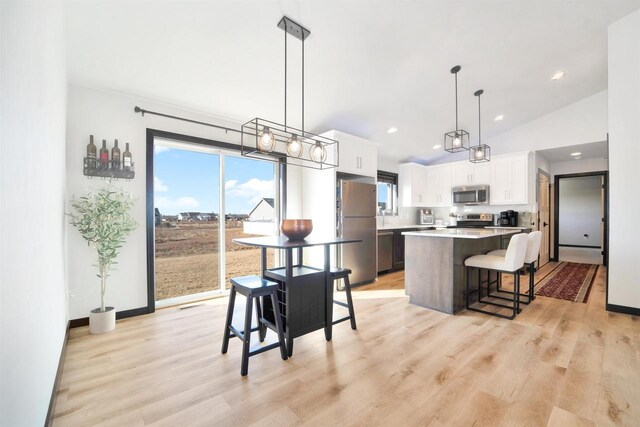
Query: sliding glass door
column 204, row 198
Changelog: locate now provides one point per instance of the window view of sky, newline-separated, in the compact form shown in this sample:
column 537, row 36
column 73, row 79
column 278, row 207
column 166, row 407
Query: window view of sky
column 189, row 181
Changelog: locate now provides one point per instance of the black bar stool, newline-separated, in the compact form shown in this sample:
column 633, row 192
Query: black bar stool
column 343, row 273
column 253, row 287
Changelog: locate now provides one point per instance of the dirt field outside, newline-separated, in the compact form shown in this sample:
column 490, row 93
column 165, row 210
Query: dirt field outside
column 187, row 257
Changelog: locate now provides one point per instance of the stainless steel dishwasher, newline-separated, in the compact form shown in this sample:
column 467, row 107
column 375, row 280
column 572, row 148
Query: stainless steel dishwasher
column 385, row 250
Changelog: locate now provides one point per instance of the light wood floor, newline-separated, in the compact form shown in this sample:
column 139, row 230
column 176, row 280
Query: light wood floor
column 558, row 364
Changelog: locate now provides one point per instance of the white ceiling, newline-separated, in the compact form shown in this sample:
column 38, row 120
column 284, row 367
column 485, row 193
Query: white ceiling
column 369, row 65
column 593, row 150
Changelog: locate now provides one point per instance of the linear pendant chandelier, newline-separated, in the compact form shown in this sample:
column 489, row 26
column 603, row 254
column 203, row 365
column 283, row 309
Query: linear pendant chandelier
column 268, row 140
column 481, row 152
column 457, row 140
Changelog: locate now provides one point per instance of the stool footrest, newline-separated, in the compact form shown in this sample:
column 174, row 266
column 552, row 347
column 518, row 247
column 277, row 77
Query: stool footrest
column 344, row 319
column 340, row 303
column 263, row 348
column 526, row 299
column 237, row 334
column 510, row 307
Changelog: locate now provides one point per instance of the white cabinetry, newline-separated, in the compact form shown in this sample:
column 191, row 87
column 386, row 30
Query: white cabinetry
column 467, row 173
column 425, row 186
column 438, row 186
column 509, row 184
column 412, row 180
column 356, row 155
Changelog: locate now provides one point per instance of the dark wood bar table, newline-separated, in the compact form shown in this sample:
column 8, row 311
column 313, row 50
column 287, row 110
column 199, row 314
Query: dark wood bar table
column 305, row 293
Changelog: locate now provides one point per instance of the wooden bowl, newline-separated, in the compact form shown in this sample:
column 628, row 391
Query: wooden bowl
column 296, row 229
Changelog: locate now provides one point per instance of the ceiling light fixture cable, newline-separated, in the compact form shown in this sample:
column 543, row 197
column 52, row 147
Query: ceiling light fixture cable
column 292, row 141
column 458, row 139
column 481, row 152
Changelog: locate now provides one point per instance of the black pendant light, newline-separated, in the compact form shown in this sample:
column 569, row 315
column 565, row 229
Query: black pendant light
column 481, row 152
column 269, row 140
column 457, row 140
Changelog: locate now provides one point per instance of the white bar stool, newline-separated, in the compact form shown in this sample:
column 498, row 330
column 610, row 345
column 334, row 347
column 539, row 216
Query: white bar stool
column 512, row 262
column 530, row 259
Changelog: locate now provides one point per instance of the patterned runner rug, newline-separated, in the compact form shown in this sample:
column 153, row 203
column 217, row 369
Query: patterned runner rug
column 569, row 281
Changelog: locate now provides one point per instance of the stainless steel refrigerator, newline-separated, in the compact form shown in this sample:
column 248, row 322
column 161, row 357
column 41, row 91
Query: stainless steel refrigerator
column 356, row 219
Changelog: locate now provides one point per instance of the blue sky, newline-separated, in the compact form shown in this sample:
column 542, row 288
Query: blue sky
column 189, row 181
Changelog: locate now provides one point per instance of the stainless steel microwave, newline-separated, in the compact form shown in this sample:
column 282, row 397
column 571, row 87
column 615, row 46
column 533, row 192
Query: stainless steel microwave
column 470, row 196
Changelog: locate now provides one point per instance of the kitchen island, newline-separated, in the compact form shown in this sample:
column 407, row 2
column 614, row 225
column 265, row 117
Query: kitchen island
column 435, row 274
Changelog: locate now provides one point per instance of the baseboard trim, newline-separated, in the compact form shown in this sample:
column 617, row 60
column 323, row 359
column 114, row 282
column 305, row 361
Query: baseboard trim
column 579, row 246
column 56, row 382
column 623, row 309
column 84, row 321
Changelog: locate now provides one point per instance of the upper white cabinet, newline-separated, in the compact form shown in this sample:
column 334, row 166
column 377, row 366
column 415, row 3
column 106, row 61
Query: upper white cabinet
column 425, row 186
column 509, row 179
column 467, row 173
column 412, row 181
column 356, row 155
column 439, row 186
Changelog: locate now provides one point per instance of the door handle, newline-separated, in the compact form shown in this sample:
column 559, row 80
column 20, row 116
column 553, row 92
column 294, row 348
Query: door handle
column 544, row 224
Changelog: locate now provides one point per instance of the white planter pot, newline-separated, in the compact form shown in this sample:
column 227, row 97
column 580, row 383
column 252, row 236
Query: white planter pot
column 102, row 321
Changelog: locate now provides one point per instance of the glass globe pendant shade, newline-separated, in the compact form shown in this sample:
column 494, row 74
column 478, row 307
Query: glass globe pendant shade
column 318, row 153
column 294, row 146
column 266, row 140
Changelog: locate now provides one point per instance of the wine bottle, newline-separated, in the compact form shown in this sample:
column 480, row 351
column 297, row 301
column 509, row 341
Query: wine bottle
column 126, row 158
column 104, row 154
column 92, row 151
column 115, row 156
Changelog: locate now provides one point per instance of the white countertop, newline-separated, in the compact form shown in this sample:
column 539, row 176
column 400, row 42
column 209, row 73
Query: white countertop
column 462, row 233
column 399, row 227
column 504, row 227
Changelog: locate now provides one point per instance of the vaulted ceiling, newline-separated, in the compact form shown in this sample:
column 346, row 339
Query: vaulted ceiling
column 369, row 65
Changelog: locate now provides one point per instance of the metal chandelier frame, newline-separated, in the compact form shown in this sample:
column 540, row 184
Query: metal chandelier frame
column 281, row 134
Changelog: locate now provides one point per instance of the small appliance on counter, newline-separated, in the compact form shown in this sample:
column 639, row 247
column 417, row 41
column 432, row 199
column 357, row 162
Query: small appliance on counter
column 508, row 218
column 474, row 220
column 427, row 217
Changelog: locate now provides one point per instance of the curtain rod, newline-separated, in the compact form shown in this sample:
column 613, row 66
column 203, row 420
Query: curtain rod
column 143, row 112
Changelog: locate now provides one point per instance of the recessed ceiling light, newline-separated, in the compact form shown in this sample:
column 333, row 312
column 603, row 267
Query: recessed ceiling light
column 558, row 75
column 392, row 130
column 577, row 153
column 437, row 146
column 499, row 118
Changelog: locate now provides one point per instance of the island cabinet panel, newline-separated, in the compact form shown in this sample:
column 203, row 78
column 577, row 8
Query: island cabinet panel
column 435, row 274
column 428, row 269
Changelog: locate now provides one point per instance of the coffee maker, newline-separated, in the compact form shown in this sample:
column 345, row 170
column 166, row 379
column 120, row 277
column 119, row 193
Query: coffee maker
column 508, row 218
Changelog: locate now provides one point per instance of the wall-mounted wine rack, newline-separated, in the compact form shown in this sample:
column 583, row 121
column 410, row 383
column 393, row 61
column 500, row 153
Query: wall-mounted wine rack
column 110, row 169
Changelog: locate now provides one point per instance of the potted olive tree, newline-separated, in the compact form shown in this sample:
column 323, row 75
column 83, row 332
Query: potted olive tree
column 102, row 217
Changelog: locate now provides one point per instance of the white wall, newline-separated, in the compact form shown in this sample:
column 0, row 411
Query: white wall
column 580, row 209
column 32, row 251
column 578, row 166
column 109, row 115
column 624, row 152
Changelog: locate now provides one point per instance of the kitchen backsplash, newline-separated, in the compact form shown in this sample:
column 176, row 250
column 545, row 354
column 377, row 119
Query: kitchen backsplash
column 525, row 217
